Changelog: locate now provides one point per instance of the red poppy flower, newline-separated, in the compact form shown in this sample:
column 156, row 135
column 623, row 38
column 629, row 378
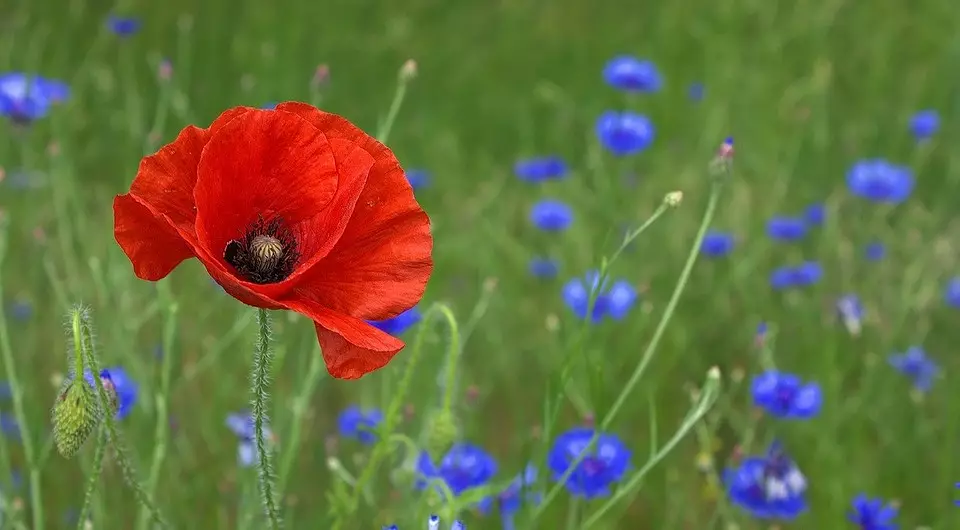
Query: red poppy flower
column 291, row 208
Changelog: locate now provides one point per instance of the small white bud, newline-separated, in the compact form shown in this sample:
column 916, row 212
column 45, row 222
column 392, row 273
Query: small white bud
column 408, row 71
column 673, row 199
column 713, row 373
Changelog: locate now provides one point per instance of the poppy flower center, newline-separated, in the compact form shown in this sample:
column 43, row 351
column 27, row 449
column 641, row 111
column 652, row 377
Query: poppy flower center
column 267, row 252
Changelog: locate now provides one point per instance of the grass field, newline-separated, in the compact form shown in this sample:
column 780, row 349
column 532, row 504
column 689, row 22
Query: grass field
column 806, row 89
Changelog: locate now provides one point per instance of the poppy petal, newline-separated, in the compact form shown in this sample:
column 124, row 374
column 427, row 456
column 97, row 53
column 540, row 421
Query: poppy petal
column 380, row 266
column 152, row 257
column 351, row 347
column 261, row 164
column 165, row 180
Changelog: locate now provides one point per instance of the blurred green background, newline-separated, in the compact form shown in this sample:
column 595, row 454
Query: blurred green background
column 807, row 88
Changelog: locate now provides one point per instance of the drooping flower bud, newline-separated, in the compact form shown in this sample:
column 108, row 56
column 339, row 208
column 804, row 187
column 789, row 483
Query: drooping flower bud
column 442, row 432
column 75, row 416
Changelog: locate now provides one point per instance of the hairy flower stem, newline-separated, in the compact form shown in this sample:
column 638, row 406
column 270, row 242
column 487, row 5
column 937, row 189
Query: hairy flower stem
column 260, row 383
column 16, row 395
column 94, row 477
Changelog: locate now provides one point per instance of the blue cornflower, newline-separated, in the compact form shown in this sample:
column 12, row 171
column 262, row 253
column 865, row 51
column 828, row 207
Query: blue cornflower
column 632, row 75
column 872, row 514
column 880, row 181
column 924, row 124
column 551, row 215
column 696, row 91
column 358, row 423
column 850, row 309
column 544, row 267
column 418, row 178
column 540, row 169
column 915, row 364
column 951, row 295
column 802, row 275
column 9, row 426
column 614, row 302
column 815, row 214
column 465, row 466
column 400, row 323
column 786, row 395
column 786, row 228
column 603, row 466
column 20, row 310
column 242, row 425
column 717, row 244
column 123, row 26
column 874, row 251
column 624, row 133
column 769, row 486
column 26, row 98
column 511, row 499
column 123, row 386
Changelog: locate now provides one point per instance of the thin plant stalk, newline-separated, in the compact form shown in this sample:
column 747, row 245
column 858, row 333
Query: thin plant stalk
column 260, row 382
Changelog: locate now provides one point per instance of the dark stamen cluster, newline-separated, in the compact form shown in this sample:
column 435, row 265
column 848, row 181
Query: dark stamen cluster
column 267, row 252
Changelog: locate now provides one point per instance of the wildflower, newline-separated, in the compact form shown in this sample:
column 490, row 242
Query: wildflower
column 540, row 169
column 593, row 476
column 786, row 228
column 673, row 199
column 511, row 499
column 632, row 75
column 880, row 181
column 769, row 486
column 850, row 310
column 418, row 178
column 355, row 422
column 952, row 293
column 123, row 26
column 802, row 275
column 624, row 133
column 121, row 385
column 614, row 301
column 9, row 426
column 544, row 267
column 786, row 396
column 872, row 514
column 400, row 323
column 815, row 214
column 25, row 98
column 551, row 215
column 695, row 91
column 242, row 425
column 293, row 209
column 465, row 466
column 20, row 310
column 717, row 244
column 874, row 251
column 915, row 364
column 5, row 391
column 924, row 124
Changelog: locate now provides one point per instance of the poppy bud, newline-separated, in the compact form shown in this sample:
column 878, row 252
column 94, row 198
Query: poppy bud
column 75, row 415
column 442, row 431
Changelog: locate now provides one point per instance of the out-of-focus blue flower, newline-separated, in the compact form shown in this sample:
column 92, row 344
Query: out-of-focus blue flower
column 20, row 310
column 951, row 295
column 511, row 499
column 5, row 391
column 802, row 275
column 924, row 124
column 850, row 309
column 9, row 426
column 25, row 98
column 122, row 385
column 603, row 466
column 540, row 169
column 123, row 26
column 874, row 251
column 551, row 215
column 624, row 133
column 769, row 486
column 716, row 244
column 786, row 395
column 880, row 181
column 270, row 105
column 815, row 214
column 915, row 364
column 614, row 302
column 400, row 323
column 786, row 228
column 632, row 75
column 360, row 424
column 544, row 267
column 465, row 466
column 242, row 425
column 696, row 91
column 418, row 178
column 872, row 514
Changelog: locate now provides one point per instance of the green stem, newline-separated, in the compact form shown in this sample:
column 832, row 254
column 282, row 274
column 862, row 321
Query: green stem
column 260, row 381
column 94, row 477
column 162, row 429
column 16, row 394
column 387, row 125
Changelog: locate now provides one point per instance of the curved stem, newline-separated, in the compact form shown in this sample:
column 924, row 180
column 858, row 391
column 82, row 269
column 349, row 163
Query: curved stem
column 260, row 382
column 98, row 455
